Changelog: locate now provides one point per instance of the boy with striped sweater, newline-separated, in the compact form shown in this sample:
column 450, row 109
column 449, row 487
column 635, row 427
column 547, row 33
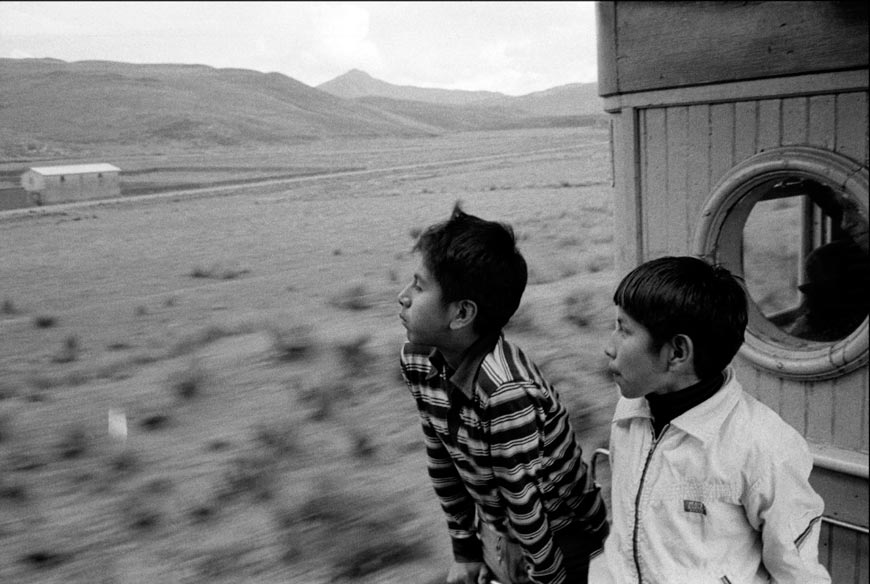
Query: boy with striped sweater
column 502, row 455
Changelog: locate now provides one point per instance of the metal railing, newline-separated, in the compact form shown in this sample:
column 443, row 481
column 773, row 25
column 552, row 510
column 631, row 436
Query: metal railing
column 599, row 452
column 846, row 525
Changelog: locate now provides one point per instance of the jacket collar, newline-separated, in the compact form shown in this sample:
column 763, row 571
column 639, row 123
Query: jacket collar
column 703, row 421
column 465, row 375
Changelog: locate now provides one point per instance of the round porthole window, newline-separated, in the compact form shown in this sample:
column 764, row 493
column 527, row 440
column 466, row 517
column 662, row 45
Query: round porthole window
column 792, row 223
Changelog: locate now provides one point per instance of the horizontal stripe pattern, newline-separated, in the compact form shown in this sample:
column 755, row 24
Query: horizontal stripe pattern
column 507, row 454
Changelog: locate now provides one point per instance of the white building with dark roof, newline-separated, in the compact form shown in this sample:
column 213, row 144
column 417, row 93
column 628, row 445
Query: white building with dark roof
column 78, row 182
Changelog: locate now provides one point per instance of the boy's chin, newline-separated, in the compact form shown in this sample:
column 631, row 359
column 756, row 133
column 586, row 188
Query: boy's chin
column 628, row 392
column 413, row 338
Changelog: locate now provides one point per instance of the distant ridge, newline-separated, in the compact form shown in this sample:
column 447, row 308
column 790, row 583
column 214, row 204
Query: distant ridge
column 69, row 105
column 50, row 107
column 356, row 83
column 565, row 100
column 574, row 99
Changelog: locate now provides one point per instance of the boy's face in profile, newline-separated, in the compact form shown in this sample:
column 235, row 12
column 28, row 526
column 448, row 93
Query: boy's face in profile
column 423, row 314
column 636, row 367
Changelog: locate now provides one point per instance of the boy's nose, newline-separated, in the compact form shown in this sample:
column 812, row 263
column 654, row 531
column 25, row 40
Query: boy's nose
column 403, row 297
column 609, row 350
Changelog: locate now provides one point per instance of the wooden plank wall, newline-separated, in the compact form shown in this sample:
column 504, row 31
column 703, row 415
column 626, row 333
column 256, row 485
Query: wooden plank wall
column 646, row 46
column 845, row 554
column 683, row 151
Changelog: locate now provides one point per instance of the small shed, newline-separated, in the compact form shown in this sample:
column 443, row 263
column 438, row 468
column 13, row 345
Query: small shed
column 64, row 184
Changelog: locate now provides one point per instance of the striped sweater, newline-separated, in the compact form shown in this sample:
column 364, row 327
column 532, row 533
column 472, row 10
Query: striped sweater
column 501, row 449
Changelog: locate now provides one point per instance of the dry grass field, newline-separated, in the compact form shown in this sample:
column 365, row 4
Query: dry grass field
column 249, row 341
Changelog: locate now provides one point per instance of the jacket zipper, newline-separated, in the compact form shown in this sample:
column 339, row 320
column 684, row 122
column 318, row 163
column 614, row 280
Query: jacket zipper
column 634, row 535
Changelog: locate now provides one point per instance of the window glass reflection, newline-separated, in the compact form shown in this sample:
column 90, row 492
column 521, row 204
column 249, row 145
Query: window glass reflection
column 805, row 259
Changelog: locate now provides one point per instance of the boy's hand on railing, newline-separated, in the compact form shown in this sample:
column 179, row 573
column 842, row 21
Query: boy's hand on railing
column 485, row 576
column 467, row 573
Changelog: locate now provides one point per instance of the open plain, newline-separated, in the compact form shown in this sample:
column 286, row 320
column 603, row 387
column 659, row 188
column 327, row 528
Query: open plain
column 202, row 385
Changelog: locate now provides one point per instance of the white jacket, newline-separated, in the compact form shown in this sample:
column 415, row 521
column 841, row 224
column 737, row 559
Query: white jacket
column 722, row 497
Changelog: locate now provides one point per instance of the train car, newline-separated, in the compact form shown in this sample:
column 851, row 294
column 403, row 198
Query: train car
column 740, row 134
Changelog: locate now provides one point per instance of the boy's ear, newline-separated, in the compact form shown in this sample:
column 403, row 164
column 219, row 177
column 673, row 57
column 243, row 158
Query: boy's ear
column 464, row 313
column 681, row 355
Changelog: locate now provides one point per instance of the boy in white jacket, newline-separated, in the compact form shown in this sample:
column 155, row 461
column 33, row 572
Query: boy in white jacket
column 709, row 484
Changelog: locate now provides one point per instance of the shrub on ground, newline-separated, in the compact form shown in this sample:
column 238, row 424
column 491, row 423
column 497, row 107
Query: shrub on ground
column 294, row 343
column 44, row 321
column 354, row 297
column 8, row 307
column 188, row 383
column 69, row 352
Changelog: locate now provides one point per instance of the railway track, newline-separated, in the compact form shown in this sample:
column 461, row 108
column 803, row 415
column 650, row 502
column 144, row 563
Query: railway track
column 248, row 185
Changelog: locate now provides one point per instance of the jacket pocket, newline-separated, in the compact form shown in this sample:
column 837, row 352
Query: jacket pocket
column 698, row 522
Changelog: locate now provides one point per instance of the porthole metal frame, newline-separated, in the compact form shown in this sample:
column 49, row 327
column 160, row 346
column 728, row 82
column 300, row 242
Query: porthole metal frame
column 719, row 239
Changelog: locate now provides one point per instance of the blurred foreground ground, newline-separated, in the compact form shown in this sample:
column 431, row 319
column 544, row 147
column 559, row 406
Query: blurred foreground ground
column 251, row 343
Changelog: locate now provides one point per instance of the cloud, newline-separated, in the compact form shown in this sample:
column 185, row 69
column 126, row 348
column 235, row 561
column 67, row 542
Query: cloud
column 17, row 20
column 314, row 41
column 18, row 54
column 113, row 18
column 343, row 37
column 512, row 47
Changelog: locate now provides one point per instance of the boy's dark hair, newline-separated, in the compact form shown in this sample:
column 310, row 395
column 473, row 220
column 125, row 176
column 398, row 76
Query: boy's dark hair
column 686, row 295
column 478, row 260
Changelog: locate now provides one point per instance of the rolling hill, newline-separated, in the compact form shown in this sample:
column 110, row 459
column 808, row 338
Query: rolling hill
column 575, row 99
column 356, row 83
column 54, row 108
column 90, row 103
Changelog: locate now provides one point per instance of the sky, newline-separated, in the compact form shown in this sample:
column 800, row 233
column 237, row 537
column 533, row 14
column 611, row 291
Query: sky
column 513, row 48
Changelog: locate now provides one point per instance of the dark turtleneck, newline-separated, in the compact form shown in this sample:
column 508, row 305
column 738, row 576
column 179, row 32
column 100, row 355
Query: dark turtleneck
column 667, row 406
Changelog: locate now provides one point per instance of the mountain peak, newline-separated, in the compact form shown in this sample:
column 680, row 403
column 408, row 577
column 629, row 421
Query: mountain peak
column 356, row 83
column 356, row 73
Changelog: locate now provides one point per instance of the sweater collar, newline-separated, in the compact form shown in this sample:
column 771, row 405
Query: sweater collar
column 669, row 406
column 465, row 375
